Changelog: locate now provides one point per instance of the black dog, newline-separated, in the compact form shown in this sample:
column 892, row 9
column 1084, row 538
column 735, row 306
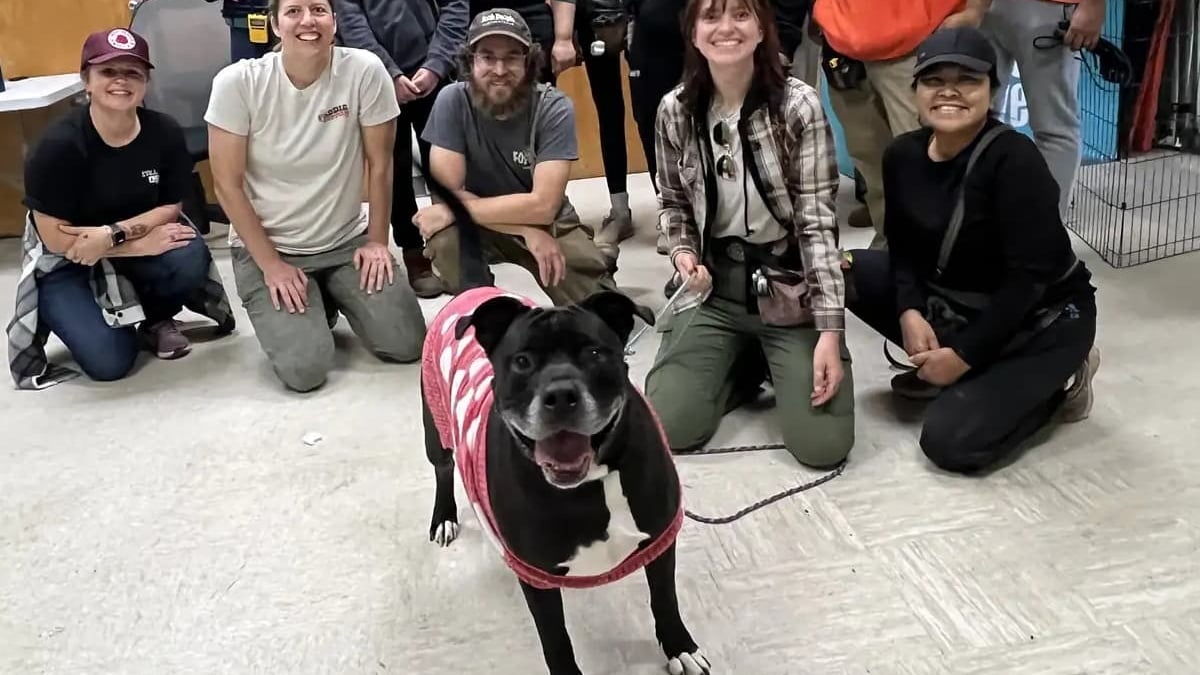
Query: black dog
column 567, row 468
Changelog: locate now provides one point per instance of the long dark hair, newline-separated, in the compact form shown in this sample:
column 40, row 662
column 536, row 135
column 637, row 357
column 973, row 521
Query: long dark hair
column 769, row 79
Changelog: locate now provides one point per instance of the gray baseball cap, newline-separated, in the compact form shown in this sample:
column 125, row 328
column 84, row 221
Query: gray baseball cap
column 499, row 21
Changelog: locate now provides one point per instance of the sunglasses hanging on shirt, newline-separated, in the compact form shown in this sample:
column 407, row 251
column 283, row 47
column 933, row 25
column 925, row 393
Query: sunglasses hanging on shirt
column 726, row 165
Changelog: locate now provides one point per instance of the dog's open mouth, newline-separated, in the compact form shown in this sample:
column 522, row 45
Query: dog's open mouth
column 565, row 457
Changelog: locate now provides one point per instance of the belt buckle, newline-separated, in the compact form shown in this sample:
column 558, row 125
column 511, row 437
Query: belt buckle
column 735, row 252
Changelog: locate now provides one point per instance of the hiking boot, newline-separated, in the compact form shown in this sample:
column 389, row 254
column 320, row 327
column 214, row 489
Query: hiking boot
column 860, row 217
column 1078, row 402
column 424, row 282
column 164, row 339
column 616, row 227
column 908, row 385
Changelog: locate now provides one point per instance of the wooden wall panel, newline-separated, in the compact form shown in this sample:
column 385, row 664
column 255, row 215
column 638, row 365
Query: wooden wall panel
column 14, row 127
column 44, row 37
column 574, row 84
column 40, row 37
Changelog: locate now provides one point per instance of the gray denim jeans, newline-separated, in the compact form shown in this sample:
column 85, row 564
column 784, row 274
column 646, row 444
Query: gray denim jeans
column 300, row 346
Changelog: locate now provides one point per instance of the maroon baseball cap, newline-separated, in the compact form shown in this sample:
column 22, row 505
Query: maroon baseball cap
column 113, row 43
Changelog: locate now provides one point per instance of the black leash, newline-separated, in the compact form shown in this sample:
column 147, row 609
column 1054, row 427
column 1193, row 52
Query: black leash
column 763, row 503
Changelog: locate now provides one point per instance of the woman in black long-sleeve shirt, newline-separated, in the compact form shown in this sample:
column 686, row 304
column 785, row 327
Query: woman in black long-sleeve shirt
column 1001, row 321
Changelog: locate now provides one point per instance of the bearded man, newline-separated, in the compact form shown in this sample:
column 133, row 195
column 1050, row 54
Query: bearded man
column 504, row 143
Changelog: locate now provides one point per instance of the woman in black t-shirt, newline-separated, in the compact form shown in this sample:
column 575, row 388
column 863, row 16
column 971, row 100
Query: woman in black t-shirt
column 996, row 315
column 107, row 181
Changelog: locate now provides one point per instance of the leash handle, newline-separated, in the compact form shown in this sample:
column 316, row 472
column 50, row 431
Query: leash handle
column 669, row 307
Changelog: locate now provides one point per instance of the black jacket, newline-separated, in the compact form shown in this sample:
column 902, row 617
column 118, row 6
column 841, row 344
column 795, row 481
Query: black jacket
column 405, row 34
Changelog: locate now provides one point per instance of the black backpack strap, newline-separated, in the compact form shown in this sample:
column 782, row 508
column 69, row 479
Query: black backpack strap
column 959, row 213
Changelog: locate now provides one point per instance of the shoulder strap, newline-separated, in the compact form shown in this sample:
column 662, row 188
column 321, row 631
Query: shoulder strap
column 534, row 116
column 956, row 218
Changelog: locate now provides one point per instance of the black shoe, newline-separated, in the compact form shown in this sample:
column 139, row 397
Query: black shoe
column 672, row 285
column 424, row 282
column 908, row 385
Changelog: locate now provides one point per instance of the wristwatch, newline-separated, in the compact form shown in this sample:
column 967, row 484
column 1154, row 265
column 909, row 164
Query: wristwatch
column 118, row 235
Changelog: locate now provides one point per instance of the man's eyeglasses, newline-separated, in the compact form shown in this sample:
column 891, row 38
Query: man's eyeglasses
column 726, row 164
column 510, row 61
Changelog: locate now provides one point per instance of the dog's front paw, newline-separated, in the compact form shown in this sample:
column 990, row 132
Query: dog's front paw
column 689, row 664
column 443, row 533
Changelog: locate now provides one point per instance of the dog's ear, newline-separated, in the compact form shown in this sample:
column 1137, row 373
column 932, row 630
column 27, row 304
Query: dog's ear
column 616, row 310
column 491, row 320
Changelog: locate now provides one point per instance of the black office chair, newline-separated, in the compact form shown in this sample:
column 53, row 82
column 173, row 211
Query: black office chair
column 189, row 42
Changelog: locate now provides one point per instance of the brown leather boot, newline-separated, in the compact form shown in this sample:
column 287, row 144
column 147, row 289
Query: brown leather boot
column 424, row 282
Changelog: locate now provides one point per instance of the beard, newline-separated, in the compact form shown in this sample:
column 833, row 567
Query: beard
column 500, row 109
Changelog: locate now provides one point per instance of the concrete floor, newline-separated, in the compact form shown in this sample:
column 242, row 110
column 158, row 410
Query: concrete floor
column 176, row 523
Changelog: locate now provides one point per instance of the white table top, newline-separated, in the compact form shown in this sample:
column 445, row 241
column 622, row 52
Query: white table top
column 38, row 92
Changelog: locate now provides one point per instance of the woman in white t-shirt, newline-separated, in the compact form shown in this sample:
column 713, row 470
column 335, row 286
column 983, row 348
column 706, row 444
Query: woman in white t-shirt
column 295, row 138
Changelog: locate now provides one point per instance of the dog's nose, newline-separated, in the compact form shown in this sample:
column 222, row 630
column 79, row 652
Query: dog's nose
column 561, row 397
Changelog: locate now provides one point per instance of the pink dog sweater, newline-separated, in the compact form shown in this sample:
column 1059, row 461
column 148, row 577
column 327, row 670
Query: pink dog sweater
column 456, row 377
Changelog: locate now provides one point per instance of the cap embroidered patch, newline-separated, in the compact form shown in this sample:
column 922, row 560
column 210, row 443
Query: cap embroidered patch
column 121, row 39
column 497, row 17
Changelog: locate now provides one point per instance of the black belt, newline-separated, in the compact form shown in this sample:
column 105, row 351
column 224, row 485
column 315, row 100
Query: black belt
column 732, row 248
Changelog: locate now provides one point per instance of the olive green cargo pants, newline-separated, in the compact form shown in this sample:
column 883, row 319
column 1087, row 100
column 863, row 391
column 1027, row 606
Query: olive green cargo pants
column 695, row 380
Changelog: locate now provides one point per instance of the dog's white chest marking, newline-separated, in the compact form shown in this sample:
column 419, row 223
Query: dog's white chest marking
column 623, row 538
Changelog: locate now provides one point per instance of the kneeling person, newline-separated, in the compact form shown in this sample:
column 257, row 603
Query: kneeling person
column 288, row 136
column 505, row 144
column 104, row 248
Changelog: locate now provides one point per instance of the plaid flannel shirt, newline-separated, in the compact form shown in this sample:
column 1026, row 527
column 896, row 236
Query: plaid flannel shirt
column 798, row 166
column 116, row 296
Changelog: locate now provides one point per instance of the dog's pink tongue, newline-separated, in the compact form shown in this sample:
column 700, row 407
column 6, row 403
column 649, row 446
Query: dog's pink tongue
column 563, row 451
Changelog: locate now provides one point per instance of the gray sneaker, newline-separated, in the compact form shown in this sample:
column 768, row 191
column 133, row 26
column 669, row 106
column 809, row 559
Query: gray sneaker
column 1078, row 403
column 164, row 339
column 620, row 223
column 615, row 228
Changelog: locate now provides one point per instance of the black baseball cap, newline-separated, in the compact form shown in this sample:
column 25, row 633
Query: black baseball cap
column 962, row 46
column 499, row 21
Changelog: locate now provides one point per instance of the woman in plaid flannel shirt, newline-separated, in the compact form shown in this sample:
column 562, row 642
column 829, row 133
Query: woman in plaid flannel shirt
column 748, row 178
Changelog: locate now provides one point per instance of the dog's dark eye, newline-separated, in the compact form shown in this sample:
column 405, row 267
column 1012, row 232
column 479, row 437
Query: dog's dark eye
column 594, row 354
column 522, row 363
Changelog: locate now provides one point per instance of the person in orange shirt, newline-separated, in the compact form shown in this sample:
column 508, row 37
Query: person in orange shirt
column 868, row 56
column 1023, row 31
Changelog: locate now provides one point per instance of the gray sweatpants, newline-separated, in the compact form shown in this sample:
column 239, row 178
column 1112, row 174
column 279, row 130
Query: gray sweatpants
column 300, row 346
column 1050, row 78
